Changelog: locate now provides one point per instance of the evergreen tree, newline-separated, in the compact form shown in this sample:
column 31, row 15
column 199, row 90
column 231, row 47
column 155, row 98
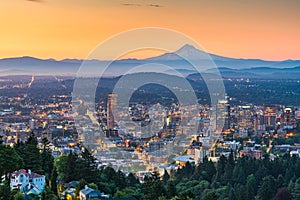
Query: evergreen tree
column 268, row 188
column 153, row 187
column 231, row 160
column 53, row 181
column 228, row 173
column 47, row 162
column 47, row 158
column 221, row 167
column 120, row 180
column 60, row 164
column 187, row 170
column 240, row 192
column 19, row 196
column 232, row 195
column 251, row 187
column 171, row 189
column 296, row 190
column 166, row 176
column 20, row 149
column 9, row 160
column 132, row 180
column 210, row 195
column 32, row 156
column 211, row 170
column 89, row 168
column 5, row 193
column 70, row 173
column 280, row 181
column 48, row 194
column 121, row 194
column 261, row 173
column 289, row 173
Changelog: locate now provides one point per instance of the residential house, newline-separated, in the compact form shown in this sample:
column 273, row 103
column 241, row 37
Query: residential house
column 88, row 193
column 27, row 181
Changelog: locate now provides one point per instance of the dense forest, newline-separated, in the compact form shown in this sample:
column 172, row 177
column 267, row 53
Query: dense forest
column 233, row 179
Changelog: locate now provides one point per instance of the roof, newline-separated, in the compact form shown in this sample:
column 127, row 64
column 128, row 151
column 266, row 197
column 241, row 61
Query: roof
column 86, row 190
column 91, row 193
column 34, row 190
column 168, row 166
column 94, row 194
column 71, row 184
column 29, row 174
column 184, row 158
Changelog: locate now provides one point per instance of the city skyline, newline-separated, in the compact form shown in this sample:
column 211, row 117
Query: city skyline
column 71, row 29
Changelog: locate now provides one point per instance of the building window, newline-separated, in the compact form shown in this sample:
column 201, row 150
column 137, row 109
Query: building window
column 21, row 178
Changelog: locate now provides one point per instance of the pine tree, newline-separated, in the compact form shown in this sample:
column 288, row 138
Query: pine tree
column 251, row 187
column 221, row 168
column 171, row 189
column 70, row 173
column 5, row 193
column 32, row 156
column 47, row 162
column 47, row 158
column 131, row 180
column 166, row 177
column 9, row 160
column 210, row 195
column 232, row 195
column 240, row 192
column 296, row 190
column 211, row 170
column 153, row 187
column 53, row 181
column 120, row 180
column 280, row 181
column 268, row 188
column 48, row 194
column 89, row 168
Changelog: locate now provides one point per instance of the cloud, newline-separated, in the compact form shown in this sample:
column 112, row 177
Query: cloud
column 38, row 1
column 131, row 4
column 136, row 4
column 155, row 5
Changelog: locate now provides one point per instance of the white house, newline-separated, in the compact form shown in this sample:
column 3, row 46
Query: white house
column 27, row 181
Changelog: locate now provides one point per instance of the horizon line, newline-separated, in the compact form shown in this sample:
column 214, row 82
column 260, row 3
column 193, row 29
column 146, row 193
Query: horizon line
column 134, row 58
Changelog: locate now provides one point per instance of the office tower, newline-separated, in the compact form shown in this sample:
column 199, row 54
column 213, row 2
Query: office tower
column 245, row 117
column 222, row 115
column 269, row 118
column 112, row 103
column 288, row 118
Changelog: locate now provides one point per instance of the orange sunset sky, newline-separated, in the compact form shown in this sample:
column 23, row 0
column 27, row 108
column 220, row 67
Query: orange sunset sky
column 268, row 29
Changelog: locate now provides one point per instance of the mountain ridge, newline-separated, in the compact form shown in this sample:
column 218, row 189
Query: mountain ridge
column 119, row 67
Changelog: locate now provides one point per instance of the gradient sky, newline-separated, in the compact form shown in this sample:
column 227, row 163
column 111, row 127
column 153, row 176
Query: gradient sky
column 268, row 29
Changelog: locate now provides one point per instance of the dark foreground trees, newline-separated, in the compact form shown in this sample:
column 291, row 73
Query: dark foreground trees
column 229, row 179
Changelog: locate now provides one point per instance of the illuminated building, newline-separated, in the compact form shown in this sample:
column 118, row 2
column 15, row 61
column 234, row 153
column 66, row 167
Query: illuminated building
column 112, row 104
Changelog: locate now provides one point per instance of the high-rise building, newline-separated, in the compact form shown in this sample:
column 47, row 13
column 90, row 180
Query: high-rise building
column 269, row 117
column 222, row 115
column 288, row 118
column 112, row 103
column 245, row 117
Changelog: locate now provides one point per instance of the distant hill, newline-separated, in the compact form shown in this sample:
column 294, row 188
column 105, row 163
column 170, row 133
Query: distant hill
column 227, row 66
